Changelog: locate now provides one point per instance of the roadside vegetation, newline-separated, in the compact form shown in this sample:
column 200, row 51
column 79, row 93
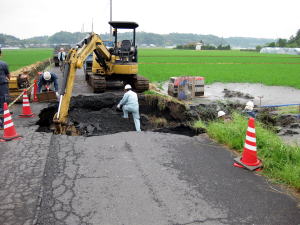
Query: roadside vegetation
column 281, row 162
column 221, row 66
column 18, row 58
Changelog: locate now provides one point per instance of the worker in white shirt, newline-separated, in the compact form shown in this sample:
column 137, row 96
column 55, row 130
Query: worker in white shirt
column 129, row 103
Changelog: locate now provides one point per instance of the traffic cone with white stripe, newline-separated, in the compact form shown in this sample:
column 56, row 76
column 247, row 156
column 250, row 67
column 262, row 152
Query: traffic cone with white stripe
column 249, row 158
column 9, row 127
column 26, row 106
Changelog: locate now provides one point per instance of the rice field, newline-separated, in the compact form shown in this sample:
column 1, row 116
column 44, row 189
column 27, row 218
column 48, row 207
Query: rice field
column 221, row 66
column 18, row 58
column 216, row 66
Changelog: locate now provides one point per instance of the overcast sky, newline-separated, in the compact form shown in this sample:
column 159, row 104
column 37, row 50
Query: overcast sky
column 224, row 18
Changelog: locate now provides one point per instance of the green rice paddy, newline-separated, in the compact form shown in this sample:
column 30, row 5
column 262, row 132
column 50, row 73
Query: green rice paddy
column 216, row 66
column 221, row 66
column 18, row 58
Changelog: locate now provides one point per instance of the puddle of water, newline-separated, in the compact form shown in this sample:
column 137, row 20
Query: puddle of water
column 263, row 95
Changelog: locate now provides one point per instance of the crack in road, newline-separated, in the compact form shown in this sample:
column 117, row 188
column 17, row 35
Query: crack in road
column 21, row 166
column 59, row 183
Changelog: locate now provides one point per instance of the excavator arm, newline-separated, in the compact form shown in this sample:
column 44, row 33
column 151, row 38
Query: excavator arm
column 75, row 60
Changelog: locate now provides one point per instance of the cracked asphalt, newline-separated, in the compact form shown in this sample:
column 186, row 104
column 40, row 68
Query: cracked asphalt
column 131, row 178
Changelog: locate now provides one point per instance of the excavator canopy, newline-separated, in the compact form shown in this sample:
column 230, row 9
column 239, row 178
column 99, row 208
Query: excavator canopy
column 123, row 24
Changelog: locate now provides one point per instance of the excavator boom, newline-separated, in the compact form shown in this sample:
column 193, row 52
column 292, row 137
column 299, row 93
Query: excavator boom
column 116, row 64
column 75, row 59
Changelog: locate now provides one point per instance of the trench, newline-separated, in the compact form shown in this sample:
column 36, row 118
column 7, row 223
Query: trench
column 97, row 115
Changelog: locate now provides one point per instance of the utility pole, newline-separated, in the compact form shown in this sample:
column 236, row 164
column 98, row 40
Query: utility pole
column 110, row 29
column 92, row 24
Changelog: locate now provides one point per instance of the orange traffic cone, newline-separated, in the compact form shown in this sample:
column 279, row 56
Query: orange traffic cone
column 249, row 158
column 26, row 106
column 9, row 127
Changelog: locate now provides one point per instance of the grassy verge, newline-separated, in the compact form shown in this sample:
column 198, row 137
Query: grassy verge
column 281, row 162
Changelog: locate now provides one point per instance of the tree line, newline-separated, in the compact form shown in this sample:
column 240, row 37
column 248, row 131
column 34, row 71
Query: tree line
column 192, row 46
column 293, row 42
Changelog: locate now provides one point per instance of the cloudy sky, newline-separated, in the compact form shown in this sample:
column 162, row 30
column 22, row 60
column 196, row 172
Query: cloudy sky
column 224, row 18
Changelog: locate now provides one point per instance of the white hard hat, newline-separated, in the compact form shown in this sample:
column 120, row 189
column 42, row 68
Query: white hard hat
column 221, row 113
column 61, row 49
column 127, row 86
column 249, row 105
column 47, row 75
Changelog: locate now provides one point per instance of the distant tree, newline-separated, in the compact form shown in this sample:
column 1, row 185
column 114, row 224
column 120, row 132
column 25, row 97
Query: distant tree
column 281, row 42
column 272, row 44
column 258, row 48
column 208, row 47
column 294, row 41
column 2, row 40
column 225, row 47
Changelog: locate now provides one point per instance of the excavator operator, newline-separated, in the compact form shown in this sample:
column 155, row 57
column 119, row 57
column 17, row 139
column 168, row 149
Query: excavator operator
column 46, row 80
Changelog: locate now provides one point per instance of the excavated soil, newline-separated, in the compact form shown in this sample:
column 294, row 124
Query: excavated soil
column 98, row 115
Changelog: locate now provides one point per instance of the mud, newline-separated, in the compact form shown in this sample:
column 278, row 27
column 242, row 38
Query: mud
column 231, row 94
column 97, row 115
column 262, row 94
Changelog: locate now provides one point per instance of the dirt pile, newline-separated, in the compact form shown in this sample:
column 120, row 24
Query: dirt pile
column 231, row 94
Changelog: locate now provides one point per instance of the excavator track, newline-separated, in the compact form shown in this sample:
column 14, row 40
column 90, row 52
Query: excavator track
column 141, row 84
column 98, row 83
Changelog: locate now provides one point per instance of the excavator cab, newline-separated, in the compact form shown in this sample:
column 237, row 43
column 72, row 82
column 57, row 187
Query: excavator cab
column 125, row 49
column 122, row 64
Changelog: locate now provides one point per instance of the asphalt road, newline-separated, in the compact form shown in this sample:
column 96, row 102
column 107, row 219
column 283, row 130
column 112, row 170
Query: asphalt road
column 132, row 179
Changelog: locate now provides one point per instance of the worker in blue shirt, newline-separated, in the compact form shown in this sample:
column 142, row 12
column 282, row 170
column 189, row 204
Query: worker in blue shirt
column 129, row 103
column 4, row 78
column 46, row 80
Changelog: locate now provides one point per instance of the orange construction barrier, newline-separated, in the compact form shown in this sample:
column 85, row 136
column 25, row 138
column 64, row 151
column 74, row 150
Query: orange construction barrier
column 249, row 158
column 26, row 106
column 9, row 127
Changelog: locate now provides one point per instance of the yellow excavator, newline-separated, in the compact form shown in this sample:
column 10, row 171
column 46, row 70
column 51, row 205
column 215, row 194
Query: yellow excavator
column 109, row 65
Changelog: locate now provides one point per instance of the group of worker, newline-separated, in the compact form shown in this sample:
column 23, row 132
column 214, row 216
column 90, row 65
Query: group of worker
column 129, row 102
column 48, row 80
column 248, row 111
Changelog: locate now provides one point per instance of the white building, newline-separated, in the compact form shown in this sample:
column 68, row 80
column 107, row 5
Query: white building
column 198, row 46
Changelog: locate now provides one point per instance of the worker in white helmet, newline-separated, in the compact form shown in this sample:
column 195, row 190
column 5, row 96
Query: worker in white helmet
column 61, row 58
column 249, row 109
column 129, row 103
column 46, row 80
column 222, row 116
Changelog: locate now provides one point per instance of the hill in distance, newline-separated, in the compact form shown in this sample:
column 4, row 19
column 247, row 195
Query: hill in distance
column 143, row 39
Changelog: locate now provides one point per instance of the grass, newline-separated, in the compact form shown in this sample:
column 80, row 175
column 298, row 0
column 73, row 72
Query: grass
column 220, row 66
column 295, row 109
column 18, row 58
column 158, row 122
column 281, row 161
